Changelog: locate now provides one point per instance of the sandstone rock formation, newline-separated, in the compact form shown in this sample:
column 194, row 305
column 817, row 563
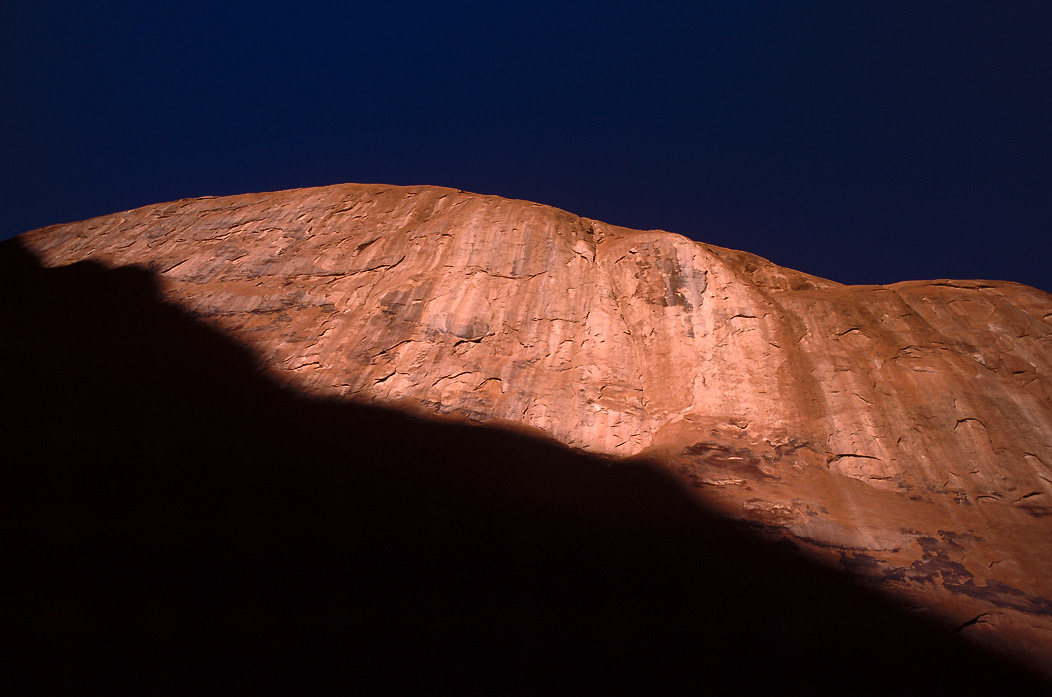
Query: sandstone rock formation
column 902, row 432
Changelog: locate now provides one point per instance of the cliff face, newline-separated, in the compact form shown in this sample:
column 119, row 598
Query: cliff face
column 901, row 432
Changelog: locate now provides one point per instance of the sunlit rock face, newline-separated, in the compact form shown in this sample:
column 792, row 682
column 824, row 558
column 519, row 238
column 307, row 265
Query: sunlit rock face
column 902, row 432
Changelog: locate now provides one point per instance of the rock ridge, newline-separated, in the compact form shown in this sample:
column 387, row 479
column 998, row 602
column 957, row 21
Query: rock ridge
column 902, row 432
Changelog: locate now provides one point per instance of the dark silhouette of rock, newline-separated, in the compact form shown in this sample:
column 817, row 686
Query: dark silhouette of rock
column 180, row 522
column 902, row 433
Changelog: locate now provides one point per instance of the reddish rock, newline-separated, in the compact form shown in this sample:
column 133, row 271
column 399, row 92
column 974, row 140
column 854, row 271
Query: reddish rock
column 900, row 432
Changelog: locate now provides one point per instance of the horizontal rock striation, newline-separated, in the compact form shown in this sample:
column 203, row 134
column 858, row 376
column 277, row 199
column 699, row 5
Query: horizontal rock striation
column 902, row 432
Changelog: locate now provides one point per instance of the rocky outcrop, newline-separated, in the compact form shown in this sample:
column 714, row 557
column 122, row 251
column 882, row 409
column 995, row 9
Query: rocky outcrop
column 901, row 432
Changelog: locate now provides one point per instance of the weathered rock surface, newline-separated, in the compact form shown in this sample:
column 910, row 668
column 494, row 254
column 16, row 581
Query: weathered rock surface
column 902, row 432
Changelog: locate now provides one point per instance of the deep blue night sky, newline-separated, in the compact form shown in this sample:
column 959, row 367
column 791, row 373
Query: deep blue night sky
column 863, row 142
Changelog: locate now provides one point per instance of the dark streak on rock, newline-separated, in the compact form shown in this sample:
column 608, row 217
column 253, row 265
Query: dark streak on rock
column 726, row 457
column 975, row 620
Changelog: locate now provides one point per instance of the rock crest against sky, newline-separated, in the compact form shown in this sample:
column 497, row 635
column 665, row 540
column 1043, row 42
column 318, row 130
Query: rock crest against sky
column 902, row 433
column 861, row 142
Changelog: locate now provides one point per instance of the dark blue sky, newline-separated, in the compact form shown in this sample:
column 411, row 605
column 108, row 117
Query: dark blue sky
column 863, row 142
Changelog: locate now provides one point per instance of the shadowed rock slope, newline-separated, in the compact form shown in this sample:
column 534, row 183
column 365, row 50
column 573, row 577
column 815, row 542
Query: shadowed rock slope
column 180, row 523
column 902, row 433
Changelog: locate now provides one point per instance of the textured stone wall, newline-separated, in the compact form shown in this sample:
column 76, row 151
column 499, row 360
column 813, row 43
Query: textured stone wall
column 903, row 432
